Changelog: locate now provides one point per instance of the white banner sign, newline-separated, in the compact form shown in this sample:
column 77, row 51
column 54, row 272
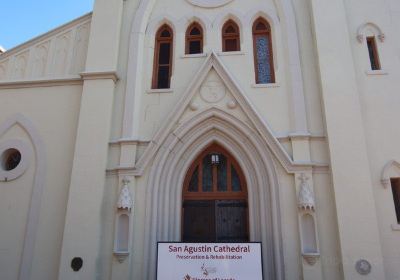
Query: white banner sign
column 209, row 261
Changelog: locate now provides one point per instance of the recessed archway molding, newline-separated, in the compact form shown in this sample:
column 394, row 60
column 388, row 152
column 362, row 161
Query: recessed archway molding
column 168, row 170
column 37, row 189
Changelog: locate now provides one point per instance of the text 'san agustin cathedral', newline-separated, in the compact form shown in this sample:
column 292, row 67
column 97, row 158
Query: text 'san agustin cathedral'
column 204, row 121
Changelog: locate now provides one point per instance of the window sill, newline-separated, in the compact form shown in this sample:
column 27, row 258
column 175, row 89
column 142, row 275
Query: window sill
column 375, row 72
column 231, row 53
column 162, row 90
column 272, row 85
column 396, row 227
column 194, row 55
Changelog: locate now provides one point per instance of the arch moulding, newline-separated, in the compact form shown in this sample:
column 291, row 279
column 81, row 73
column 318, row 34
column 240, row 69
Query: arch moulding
column 37, row 190
column 390, row 170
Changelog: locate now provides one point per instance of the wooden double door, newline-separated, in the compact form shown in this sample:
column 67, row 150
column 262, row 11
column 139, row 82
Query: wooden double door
column 215, row 199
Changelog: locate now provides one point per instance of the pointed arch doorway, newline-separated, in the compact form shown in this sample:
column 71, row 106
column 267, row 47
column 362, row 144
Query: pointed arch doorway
column 215, row 199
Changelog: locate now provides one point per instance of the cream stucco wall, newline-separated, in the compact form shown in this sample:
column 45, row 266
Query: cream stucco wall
column 54, row 112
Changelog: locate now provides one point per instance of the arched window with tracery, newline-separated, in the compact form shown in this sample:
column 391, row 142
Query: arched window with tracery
column 163, row 58
column 263, row 55
column 194, row 39
column 230, row 37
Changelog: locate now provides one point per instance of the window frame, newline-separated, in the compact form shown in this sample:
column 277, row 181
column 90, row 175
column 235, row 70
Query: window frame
column 261, row 33
column 395, row 184
column 230, row 36
column 190, row 38
column 156, row 65
column 372, row 40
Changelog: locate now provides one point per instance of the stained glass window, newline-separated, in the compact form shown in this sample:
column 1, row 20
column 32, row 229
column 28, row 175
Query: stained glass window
column 194, row 181
column 222, row 178
column 263, row 61
column 263, row 57
column 235, row 181
column 207, row 174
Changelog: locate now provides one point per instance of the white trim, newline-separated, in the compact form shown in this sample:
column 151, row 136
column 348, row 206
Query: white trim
column 370, row 26
column 231, row 53
column 72, row 80
column 26, row 158
column 395, row 227
column 197, row 55
column 209, row 3
column 107, row 75
column 376, row 72
column 271, row 85
column 37, row 190
column 161, row 90
column 390, row 170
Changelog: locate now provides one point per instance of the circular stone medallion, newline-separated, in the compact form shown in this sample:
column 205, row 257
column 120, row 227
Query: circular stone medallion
column 363, row 267
column 212, row 91
column 209, row 3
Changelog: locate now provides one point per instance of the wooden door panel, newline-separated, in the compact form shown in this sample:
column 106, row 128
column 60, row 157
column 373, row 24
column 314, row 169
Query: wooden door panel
column 231, row 221
column 199, row 221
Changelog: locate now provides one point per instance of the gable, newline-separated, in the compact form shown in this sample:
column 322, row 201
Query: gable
column 214, row 91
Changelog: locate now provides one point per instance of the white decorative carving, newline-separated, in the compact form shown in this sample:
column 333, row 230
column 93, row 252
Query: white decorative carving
column 370, row 28
column 194, row 106
column 209, row 3
column 61, row 54
column 213, row 90
column 3, row 72
column 80, row 49
column 390, row 170
column 125, row 201
column 306, row 195
column 41, row 60
column 232, row 104
column 20, row 66
column 311, row 258
column 121, row 256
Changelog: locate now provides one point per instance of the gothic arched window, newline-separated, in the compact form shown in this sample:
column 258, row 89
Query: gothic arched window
column 163, row 58
column 194, row 39
column 263, row 56
column 230, row 37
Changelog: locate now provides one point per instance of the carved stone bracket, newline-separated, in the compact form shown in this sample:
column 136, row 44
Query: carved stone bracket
column 121, row 256
column 311, row 258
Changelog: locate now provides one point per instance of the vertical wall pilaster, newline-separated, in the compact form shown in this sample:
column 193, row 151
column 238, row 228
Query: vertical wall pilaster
column 355, row 205
column 83, row 220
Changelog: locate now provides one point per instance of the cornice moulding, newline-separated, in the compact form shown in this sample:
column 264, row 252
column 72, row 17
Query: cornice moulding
column 112, row 75
column 73, row 80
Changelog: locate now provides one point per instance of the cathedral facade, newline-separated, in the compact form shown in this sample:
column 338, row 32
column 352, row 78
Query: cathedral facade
column 151, row 121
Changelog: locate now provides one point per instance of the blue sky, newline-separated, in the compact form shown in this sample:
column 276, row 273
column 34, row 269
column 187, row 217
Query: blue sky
column 22, row 20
